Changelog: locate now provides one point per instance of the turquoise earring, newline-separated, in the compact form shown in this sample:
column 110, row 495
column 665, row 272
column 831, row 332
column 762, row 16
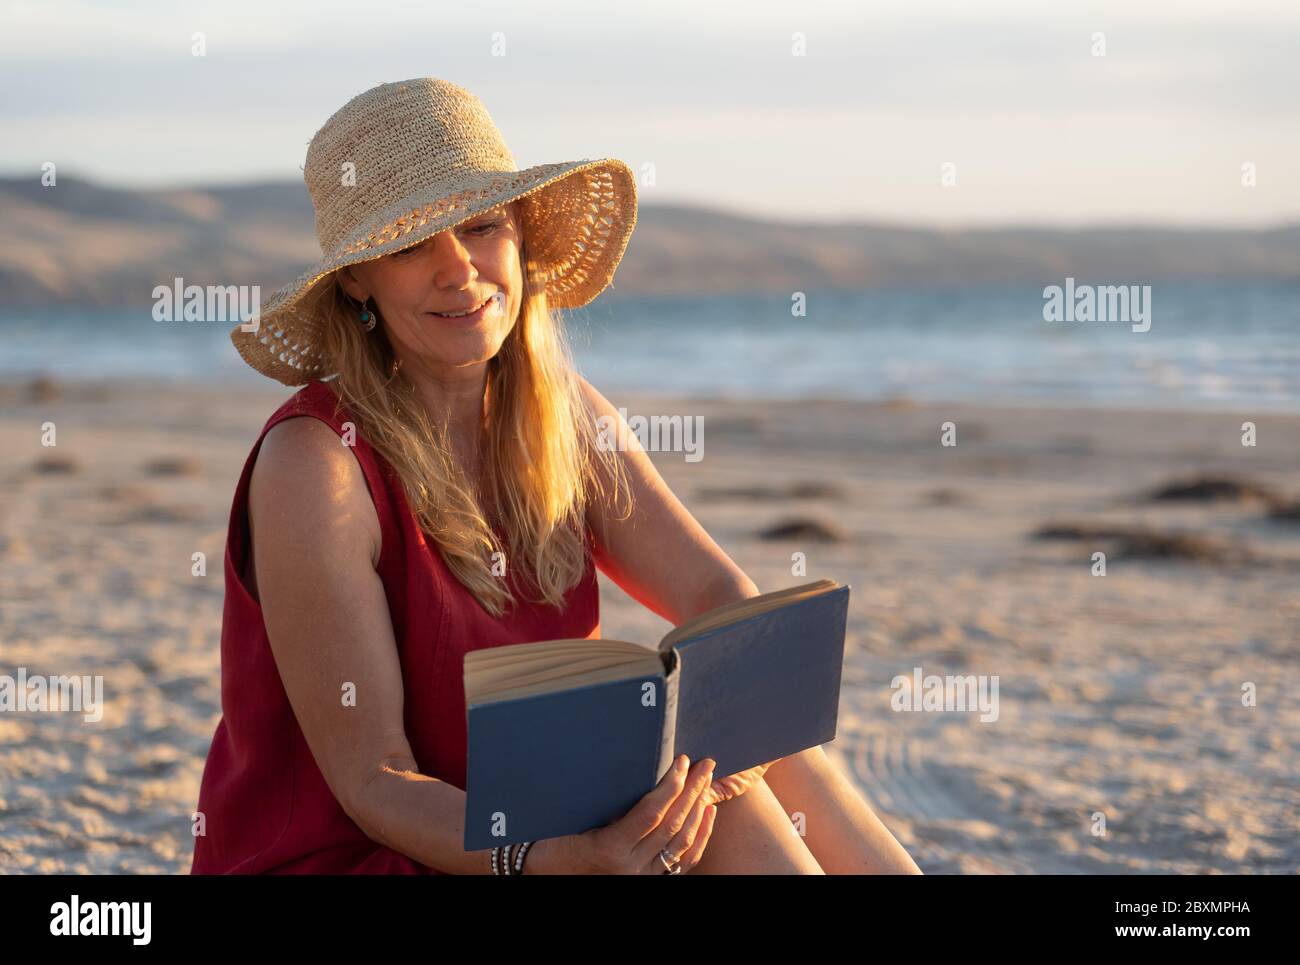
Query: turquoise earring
column 368, row 318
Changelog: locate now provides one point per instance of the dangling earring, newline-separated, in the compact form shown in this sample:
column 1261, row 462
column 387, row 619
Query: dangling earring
column 368, row 318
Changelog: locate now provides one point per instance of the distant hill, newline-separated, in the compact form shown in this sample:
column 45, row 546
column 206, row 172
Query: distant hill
column 83, row 244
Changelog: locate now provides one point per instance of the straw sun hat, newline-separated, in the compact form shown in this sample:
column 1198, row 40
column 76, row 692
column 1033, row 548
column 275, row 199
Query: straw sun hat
column 427, row 157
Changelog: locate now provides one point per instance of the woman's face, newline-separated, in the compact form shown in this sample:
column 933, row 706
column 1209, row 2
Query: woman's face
column 474, row 266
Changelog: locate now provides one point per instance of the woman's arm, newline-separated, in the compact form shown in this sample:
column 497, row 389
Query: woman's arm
column 659, row 555
column 662, row 557
column 316, row 540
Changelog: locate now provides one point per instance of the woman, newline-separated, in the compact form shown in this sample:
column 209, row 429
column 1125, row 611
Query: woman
column 443, row 492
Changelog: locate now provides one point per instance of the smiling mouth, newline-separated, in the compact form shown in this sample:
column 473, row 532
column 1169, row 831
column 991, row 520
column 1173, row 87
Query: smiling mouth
column 494, row 300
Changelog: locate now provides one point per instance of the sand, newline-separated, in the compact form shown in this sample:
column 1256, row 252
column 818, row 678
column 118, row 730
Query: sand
column 1119, row 695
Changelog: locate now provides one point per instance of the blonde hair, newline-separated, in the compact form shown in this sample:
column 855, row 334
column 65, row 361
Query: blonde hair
column 542, row 463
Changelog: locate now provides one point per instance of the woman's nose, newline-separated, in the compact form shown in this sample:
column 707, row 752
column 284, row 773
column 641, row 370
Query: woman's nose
column 452, row 265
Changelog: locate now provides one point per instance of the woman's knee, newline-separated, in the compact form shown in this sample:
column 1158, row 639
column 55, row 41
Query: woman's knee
column 752, row 834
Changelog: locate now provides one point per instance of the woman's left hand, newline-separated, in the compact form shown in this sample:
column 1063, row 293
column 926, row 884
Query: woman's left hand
column 734, row 785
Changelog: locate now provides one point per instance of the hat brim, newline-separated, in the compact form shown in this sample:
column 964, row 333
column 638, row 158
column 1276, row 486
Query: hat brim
column 579, row 217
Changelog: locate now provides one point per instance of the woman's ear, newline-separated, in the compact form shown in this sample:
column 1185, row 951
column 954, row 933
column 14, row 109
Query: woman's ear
column 348, row 282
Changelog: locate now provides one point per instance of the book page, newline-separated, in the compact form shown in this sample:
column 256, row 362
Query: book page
column 743, row 609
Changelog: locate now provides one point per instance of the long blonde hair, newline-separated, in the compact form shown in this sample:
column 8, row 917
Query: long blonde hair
column 542, row 462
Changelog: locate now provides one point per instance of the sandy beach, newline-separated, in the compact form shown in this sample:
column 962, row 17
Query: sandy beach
column 1120, row 696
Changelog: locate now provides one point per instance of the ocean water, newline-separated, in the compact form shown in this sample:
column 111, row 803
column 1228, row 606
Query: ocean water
column 1210, row 345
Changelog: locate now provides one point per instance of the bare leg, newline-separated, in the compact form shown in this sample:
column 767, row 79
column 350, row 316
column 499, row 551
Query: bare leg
column 753, row 835
column 841, row 830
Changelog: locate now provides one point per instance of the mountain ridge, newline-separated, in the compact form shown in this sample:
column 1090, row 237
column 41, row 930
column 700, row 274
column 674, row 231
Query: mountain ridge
column 82, row 244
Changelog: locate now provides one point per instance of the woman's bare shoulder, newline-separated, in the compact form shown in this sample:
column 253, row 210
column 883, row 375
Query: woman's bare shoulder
column 600, row 410
column 307, row 487
column 592, row 397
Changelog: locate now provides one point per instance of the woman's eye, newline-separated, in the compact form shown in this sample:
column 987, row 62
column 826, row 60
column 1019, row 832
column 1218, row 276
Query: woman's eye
column 480, row 231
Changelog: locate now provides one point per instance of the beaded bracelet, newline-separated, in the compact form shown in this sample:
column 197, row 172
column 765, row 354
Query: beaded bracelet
column 511, row 862
column 520, row 855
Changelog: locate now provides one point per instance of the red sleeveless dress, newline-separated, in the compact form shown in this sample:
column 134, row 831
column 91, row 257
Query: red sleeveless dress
column 266, row 807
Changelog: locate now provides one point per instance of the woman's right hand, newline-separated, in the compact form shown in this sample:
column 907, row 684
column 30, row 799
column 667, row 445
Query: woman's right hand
column 672, row 816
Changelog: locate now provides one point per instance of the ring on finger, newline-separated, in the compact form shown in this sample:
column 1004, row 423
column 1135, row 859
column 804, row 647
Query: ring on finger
column 684, row 840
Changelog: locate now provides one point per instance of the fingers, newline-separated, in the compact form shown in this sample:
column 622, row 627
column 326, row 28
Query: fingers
column 675, row 816
column 697, row 783
column 687, row 845
column 689, row 858
column 650, row 810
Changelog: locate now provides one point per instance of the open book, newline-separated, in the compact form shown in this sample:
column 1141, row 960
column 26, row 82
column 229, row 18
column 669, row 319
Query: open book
column 567, row 735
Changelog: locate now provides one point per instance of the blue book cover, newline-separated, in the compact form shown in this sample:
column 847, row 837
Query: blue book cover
column 550, row 754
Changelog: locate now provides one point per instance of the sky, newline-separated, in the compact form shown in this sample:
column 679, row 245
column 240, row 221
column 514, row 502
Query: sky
column 707, row 101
